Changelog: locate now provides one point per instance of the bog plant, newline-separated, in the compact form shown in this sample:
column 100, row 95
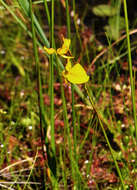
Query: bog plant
column 73, row 72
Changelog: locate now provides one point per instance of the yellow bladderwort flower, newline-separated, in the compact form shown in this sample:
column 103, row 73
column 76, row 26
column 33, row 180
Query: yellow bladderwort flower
column 2, row 111
column 75, row 74
column 61, row 51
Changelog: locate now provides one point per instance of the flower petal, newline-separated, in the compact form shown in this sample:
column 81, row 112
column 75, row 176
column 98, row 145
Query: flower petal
column 66, row 43
column 49, row 50
column 67, row 56
column 62, row 51
column 65, row 48
column 68, row 65
column 76, row 74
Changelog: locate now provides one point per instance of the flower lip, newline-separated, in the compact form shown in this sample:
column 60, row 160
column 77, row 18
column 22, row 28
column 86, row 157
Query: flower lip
column 49, row 50
column 75, row 74
column 63, row 51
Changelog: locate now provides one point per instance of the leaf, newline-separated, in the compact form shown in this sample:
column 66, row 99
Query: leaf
column 114, row 28
column 104, row 10
column 24, row 4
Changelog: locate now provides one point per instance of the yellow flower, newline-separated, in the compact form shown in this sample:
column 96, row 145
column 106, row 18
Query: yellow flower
column 49, row 50
column 61, row 51
column 75, row 74
column 2, row 111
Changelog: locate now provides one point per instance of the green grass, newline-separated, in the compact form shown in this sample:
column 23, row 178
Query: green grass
column 55, row 135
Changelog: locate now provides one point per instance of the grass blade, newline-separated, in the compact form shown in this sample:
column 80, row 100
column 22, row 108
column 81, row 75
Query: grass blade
column 130, row 68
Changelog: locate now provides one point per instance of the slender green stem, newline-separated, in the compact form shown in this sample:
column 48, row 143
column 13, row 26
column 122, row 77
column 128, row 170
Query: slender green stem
column 40, row 96
column 72, row 86
column 73, row 110
column 67, row 136
column 107, row 140
column 64, row 179
column 72, row 90
column 68, row 19
column 74, row 122
column 67, row 127
column 47, row 11
column 52, row 153
column 52, row 81
column 130, row 68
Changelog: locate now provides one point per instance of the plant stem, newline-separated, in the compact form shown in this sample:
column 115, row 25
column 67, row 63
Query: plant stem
column 68, row 20
column 40, row 96
column 130, row 68
column 47, row 11
column 73, row 100
column 72, row 86
column 52, row 81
